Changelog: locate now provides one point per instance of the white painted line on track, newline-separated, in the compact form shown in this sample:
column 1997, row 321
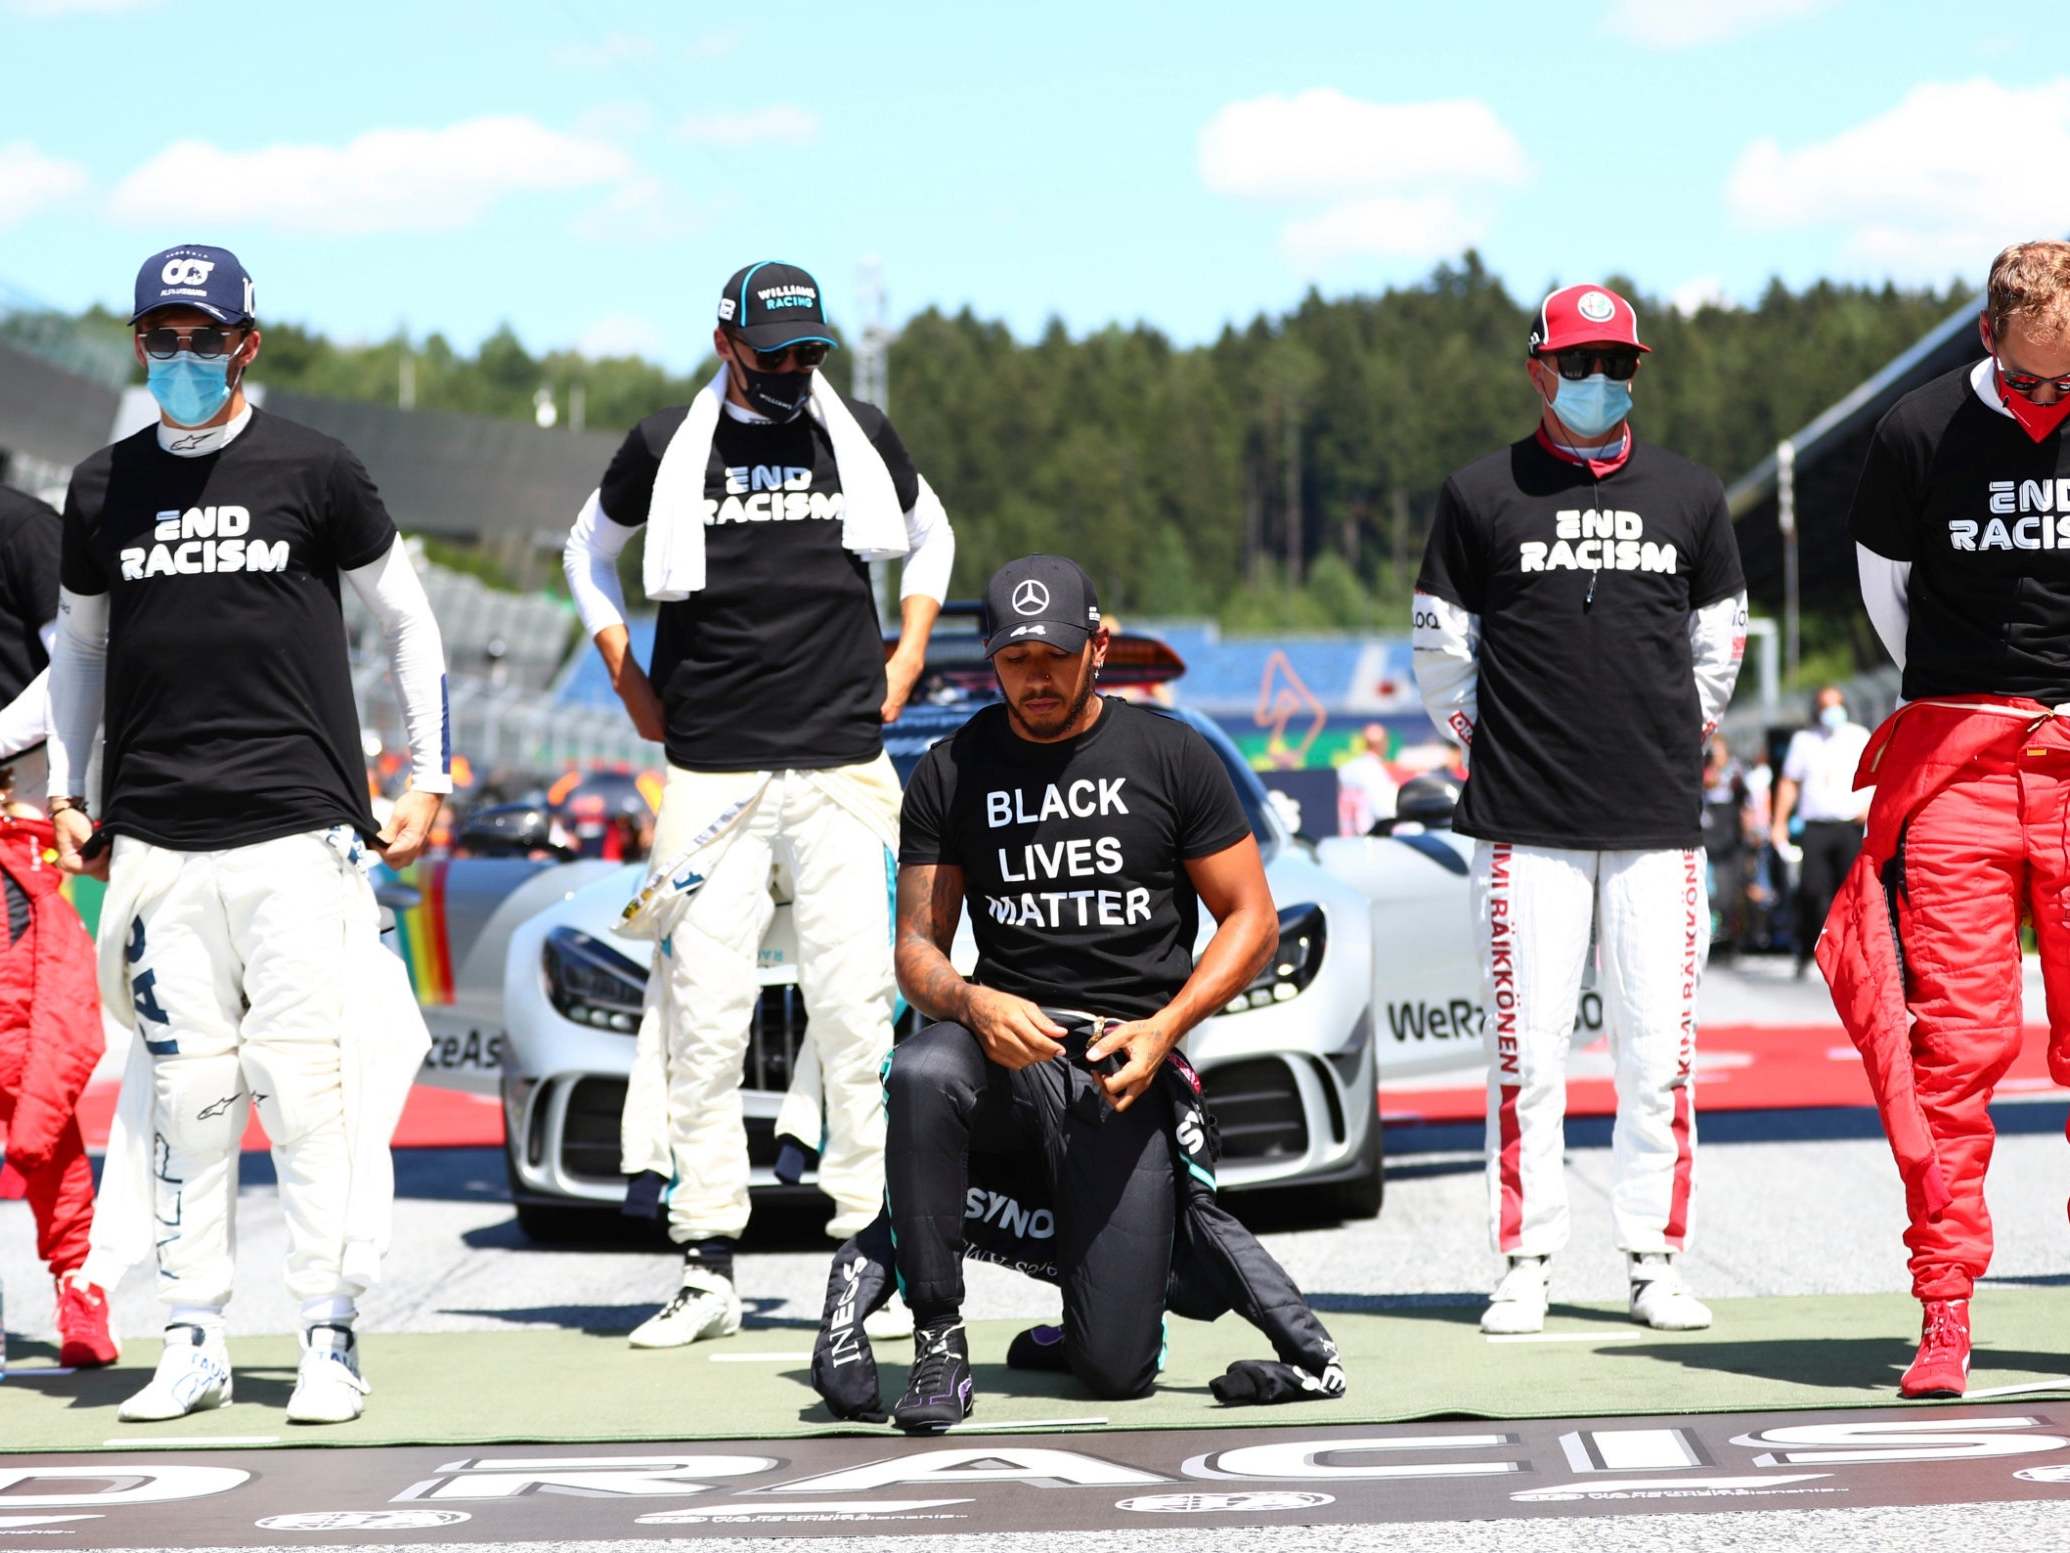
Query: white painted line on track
column 36, row 1371
column 760, row 1358
column 1027, row 1423
column 1569, row 1337
column 180, row 1442
column 2050, row 1383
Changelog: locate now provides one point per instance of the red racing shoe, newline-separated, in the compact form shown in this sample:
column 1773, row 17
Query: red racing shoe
column 1942, row 1368
column 84, row 1341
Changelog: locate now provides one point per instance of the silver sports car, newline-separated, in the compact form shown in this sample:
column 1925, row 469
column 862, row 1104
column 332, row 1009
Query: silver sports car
column 541, row 1000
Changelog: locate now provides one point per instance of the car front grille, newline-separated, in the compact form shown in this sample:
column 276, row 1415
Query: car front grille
column 1257, row 1110
column 590, row 1138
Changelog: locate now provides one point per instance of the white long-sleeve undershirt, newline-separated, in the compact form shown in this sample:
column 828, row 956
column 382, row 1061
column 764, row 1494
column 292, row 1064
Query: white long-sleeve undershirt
column 25, row 721
column 394, row 596
column 1446, row 647
column 78, row 683
column 590, row 558
column 1717, row 647
column 1887, row 595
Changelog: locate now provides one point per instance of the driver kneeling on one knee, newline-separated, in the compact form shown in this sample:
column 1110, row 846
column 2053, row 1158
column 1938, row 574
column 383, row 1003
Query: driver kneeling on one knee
column 986, row 821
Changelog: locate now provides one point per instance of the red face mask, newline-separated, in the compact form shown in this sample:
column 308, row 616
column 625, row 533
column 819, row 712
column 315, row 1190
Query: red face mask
column 2038, row 421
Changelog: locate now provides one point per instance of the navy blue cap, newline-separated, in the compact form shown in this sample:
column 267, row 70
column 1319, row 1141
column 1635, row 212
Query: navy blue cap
column 1040, row 598
column 210, row 280
column 772, row 304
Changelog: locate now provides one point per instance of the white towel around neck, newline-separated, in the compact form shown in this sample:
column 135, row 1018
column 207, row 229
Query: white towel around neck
column 872, row 523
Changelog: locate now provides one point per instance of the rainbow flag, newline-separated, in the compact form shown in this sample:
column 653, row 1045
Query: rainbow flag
column 421, row 933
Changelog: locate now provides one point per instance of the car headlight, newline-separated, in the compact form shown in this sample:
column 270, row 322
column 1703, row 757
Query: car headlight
column 1293, row 965
column 591, row 983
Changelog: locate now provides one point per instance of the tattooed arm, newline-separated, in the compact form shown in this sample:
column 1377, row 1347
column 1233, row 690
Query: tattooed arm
column 1013, row 1031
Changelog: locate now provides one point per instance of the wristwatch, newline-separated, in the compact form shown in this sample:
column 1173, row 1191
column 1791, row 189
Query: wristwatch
column 57, row 806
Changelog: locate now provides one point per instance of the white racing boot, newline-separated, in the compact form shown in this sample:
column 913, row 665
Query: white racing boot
column 891, row 1320
column 705, row 1305
column 328, row 1386
column 193, row 1375
column 1518, row 1304
column 1660, row 1299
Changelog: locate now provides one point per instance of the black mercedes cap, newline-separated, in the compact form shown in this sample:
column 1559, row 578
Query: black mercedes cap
column 1040, row 598
column 772, row 304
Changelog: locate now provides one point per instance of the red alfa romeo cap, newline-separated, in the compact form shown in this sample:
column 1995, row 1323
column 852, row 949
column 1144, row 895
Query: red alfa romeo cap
column 1585, row 315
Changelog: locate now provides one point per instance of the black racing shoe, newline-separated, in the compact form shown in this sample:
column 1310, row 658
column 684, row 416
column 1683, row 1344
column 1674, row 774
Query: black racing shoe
column 938, row 1388
column 1039, row 1348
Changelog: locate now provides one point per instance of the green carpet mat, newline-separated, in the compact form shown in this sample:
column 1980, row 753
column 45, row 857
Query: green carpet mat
column 483, row 1388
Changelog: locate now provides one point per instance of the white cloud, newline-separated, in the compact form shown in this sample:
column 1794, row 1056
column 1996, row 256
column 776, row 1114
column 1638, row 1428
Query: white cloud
column 1680, row 24
column 1927, row 186
column 390, row 180
column 621, row 334
column 30, row 180
column 1417, row 227
column 1322, row 142
column 1697, row 293
column 781, row 123
column 641, row 209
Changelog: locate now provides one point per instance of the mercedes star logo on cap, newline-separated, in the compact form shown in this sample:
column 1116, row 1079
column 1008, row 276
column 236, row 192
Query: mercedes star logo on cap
column 1030, row 598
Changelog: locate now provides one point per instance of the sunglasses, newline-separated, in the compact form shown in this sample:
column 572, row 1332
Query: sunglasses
column 2027, row 384
column 207, row 342
column 1576, row 364
column 809, row 353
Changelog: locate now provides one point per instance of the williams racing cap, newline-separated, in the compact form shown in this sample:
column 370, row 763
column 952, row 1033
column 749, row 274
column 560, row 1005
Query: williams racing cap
column 1585, row 315
column 771, row 304
column 1040, row 598
column 209, row 280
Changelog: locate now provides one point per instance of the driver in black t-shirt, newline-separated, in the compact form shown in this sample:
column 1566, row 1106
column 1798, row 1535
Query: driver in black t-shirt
column 762, row 503
column 1085, row 834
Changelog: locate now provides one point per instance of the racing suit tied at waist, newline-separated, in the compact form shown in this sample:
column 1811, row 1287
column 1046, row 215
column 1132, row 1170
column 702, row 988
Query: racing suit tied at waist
column 702, row 814
column 1918, row 751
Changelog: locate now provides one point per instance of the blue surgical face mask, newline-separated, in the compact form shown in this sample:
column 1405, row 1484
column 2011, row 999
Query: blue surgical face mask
column 189, row 389
column 1591, row 407
column 1833, row 716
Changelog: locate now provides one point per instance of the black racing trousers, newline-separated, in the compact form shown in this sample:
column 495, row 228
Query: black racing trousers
column 1109, row 1176
column 1829, row 847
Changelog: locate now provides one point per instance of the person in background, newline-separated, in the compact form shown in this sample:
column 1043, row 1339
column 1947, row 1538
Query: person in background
column 1817, row 786
column 1725, row 841
column 1365, row 788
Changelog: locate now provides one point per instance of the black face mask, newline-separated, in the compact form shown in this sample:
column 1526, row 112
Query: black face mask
column 778, row 395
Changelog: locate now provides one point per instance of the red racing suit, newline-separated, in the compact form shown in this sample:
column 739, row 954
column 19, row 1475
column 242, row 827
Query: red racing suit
column 1968, row 832
column 50, row 1039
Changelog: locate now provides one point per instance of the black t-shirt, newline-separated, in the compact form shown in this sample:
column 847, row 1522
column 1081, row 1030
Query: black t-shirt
column 29, row 542
column 1590, row 733
column 1073, row 854
column 1982, row 513
column 777, row 662
column 230, row 718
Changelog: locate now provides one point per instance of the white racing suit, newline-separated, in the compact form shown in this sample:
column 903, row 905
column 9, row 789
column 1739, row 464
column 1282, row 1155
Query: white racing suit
column 706, row 905
column 252, row 976
column 1532, row 909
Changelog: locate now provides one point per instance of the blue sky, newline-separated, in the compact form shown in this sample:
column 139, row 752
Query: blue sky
column 592, row 172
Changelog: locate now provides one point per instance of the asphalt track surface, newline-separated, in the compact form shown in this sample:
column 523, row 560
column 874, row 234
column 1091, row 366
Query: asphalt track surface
column 1801, row 1201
